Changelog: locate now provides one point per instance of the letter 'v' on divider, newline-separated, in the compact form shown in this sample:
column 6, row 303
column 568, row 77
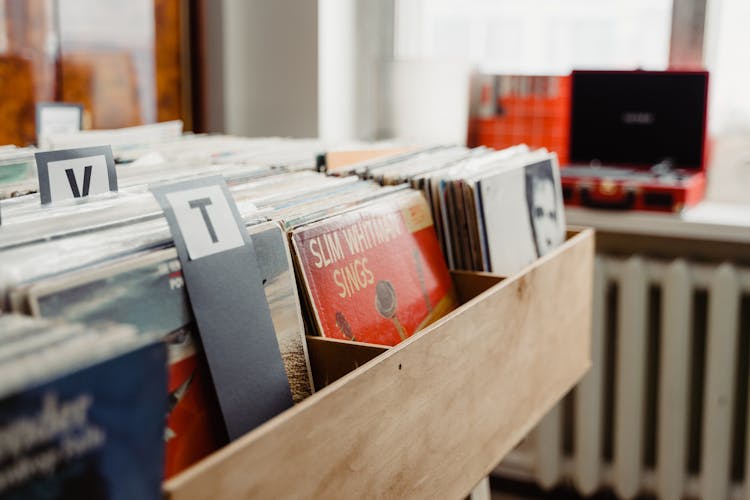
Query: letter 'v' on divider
column 75, row 173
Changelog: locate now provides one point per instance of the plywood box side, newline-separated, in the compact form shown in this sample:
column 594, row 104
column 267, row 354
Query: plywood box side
column 469, row 284
column 331, row 359
column 433, row 415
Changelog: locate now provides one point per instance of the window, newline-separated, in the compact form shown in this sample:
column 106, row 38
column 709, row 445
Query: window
column 536, row 36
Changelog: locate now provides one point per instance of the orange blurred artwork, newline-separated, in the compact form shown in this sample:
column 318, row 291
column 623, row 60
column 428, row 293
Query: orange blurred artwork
column 534, row 110
column 123, row 61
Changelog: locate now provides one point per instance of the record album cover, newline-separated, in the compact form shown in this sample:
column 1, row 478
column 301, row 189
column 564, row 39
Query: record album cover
column 523, row 215
column 94, row 432
column 375, row 274
column 149, row 292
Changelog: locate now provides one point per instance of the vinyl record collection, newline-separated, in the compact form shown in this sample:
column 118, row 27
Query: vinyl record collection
column 361, row 258
column 494, row 211
column 81, row 408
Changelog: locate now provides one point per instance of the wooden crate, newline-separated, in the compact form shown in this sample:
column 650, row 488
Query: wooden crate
column 432, row 416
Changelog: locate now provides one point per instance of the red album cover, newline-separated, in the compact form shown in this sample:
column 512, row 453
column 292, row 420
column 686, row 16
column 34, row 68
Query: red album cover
column 375, row 274
column 194, row 424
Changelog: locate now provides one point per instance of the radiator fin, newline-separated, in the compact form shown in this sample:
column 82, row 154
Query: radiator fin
column 589, row 410
column 673, row 382
column 664, row 409
column 629, row 378
column 723, row 316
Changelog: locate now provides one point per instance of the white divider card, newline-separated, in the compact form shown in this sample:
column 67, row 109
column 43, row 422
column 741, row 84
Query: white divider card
column 75, row 173
column 225, row 288
column 57, row 118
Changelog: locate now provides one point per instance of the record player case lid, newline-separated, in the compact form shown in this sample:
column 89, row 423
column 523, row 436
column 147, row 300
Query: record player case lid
column 639, row 118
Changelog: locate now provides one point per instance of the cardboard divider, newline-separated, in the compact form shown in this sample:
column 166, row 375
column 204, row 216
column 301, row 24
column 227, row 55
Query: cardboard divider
column 331, row 359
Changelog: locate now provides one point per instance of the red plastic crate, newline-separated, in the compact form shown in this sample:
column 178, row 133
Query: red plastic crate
column 534, row 110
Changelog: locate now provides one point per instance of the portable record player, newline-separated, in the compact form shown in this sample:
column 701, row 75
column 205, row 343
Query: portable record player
column 637, row 140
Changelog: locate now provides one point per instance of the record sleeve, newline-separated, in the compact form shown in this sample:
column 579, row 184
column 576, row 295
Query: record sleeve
column 91, row 431
column 375, row 274
column 523, row 214
column 149, row 293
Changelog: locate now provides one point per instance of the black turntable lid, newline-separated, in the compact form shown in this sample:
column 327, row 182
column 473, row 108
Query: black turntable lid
column 639, row 118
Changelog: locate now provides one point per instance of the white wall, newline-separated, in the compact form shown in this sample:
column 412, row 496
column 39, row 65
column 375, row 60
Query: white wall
column 355, row 41
column 427, row 102
column 728, row 60
column 269, row 78
column 339, row 48
column 325, row 67
column 536, row 36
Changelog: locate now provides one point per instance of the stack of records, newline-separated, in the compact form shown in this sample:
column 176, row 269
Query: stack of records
column 152, row 153
column 111, row 257
column 494, row 211
column 125, row 269
column 375, row 274
column 81, row 410
column 17, row 171
column 362, row 258
column 145, row 289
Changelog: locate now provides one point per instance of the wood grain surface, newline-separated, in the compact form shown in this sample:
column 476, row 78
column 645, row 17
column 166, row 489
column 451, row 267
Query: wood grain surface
column 432, row 416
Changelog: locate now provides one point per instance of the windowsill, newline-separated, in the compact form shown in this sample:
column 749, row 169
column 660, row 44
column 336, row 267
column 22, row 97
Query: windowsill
column 706, row 221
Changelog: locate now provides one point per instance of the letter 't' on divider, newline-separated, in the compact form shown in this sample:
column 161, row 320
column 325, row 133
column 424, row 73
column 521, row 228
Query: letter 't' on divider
column 206, row 220
column 201, row 204
column 225, row 288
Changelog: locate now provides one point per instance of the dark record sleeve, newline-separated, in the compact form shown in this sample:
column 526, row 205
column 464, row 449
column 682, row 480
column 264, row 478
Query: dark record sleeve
column 98, row 432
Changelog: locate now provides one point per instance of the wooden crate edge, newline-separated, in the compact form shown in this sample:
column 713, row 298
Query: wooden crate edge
column 216, row 463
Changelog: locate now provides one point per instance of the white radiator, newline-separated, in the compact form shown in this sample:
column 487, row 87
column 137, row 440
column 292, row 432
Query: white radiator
column 664, row 409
